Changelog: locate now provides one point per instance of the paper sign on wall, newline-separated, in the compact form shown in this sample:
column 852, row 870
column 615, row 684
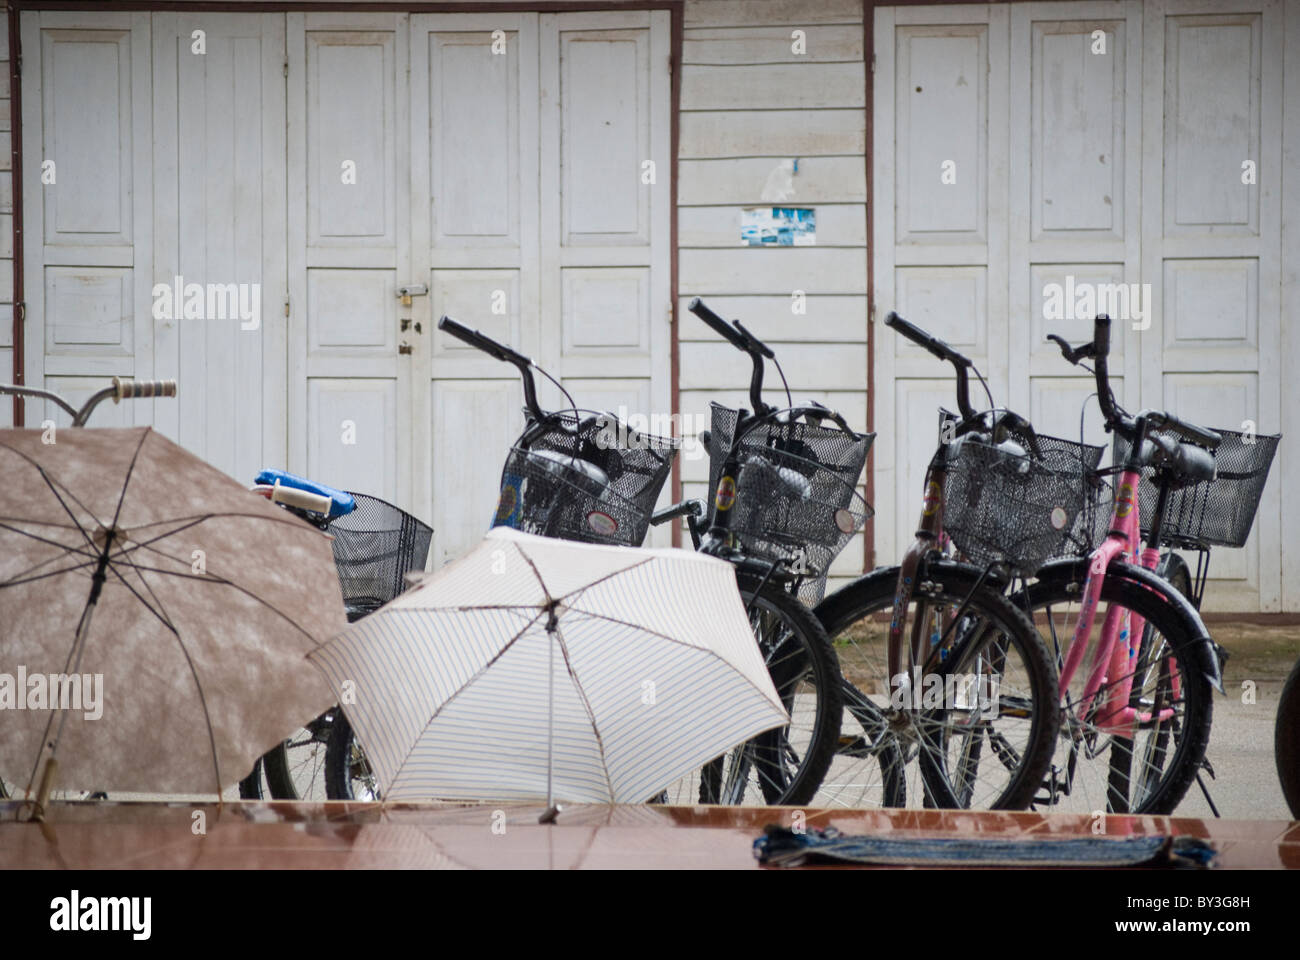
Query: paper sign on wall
column 778, row 227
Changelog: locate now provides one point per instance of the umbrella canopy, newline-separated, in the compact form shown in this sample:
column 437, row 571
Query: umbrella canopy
column 539, row 668
column 182, row 603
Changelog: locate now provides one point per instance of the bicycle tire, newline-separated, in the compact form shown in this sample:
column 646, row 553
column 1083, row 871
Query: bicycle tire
column 988, row 615
column 1286, row 740
column 295, row 768
column 799, row 656
column 345, row 764
column 1164, row 787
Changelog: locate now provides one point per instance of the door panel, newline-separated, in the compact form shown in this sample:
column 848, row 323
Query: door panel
column 219, row 211
column 350, row 394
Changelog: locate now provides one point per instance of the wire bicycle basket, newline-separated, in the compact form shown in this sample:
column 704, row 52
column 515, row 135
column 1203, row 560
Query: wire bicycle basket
column 375, row 546
column 1073, row 467
column 1218, row 512
column 1022, row 509
column 795, row 500
column 585, row 476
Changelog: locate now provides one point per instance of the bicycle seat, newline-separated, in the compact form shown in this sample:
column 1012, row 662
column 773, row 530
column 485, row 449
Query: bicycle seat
column 1191, row 464
column 341, row 502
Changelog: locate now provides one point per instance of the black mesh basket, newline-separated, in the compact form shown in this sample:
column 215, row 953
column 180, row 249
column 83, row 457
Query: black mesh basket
column 795, row 499
column 1072, row 461
column 375, row 546
column 1218, row 512
column 588, row 477
column 1000, row 506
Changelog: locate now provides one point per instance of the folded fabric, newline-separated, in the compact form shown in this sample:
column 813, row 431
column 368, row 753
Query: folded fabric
column 783, row 847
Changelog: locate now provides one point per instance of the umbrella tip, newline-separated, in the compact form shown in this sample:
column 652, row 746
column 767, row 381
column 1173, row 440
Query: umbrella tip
column 549, row 815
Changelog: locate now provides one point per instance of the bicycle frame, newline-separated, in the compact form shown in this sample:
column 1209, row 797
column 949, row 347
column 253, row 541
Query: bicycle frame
column 1120, row 642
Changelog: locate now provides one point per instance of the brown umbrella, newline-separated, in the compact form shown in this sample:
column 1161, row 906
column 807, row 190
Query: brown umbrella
column 183, row 605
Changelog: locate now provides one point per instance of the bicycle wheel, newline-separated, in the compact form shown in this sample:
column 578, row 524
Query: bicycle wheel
column 1149, row 767
column 295, row 769
column 347, row 774
column 785, row 765
column 978, row 736
column 1286, row 741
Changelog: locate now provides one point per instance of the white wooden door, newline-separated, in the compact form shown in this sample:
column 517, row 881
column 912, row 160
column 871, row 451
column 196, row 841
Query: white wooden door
column 153, row 157
column 474, row 201
column 532, row 221
column 218, row 192
column 86, row 205
column 605, row 112
column 940, row 231
column 1109, row 143
column 348, row 251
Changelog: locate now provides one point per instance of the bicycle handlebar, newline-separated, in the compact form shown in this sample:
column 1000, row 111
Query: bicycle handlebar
column 499, row 351
column 127, row 389
column 740, row 338
column 717, row 324
column 1116, row 419
column 941, row 350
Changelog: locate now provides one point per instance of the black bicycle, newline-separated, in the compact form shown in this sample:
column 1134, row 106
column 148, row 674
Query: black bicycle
column 963, row 712
column 375, row 546
column 586, row 475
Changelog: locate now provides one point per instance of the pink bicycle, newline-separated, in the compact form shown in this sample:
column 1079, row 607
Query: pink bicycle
column 1135, row 722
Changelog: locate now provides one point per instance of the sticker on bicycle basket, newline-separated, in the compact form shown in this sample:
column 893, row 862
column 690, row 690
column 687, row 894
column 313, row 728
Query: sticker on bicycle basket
column 508, row 504
column 1059, row 518
column 933, row 495
column 726, row 493
column 845, row 520
column 1124, row 500
column 602, row 523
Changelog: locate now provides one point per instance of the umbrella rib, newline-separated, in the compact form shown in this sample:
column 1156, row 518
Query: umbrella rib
column 189, row 661
column 609, row 576
column 655, row 633
column 586, row 705
column 537, row 573
column 222, row 581
column 478, row 673
column 49, row 482
column 130, row 470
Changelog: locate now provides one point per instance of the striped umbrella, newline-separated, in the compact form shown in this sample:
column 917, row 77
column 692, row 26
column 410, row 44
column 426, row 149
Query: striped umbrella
column 538, row 668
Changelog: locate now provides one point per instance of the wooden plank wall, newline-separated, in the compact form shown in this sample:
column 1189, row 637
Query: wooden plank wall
column 750, row 103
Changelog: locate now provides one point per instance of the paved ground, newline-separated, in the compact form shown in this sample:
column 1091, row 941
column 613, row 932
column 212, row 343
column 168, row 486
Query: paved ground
column 1241, row 740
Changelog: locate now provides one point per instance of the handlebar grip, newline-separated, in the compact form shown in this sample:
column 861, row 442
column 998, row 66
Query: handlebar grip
column 480, row 341
column 717, row 324
column 293, row 497
column 922, row 339
column 1188, row 431
column 1101, row 336
column 128, row 389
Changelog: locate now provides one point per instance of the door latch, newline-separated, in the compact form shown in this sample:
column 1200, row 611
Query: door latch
column 405, row 293
column 404, row 349
column 406, row 325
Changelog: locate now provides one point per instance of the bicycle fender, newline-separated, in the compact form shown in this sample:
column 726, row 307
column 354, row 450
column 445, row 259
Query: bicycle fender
column 1076, row 569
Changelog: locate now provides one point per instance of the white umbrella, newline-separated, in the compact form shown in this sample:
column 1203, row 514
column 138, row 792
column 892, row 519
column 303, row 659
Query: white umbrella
column 538, row 668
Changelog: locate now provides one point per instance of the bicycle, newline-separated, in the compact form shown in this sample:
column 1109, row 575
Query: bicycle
column 1286, row 740
column 963, row 713
column 375, row 545
column 585, row 475
column 1144, row 698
